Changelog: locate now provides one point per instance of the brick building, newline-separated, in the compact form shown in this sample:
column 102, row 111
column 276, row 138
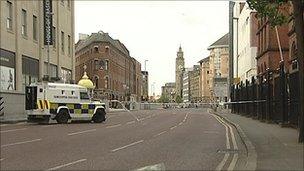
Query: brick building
column 293, row 65
column 205, row 74
column 268, row 54
column 107, row 61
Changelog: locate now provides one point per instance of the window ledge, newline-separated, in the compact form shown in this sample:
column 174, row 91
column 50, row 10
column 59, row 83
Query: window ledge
column 25, row 37
column 10, row 30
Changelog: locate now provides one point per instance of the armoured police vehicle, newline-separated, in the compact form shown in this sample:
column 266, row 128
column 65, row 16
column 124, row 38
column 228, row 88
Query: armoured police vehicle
column 47, row 102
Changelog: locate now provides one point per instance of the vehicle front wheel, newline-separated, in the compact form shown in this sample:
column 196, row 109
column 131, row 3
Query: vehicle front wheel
column 99, row 116
column 62, row 117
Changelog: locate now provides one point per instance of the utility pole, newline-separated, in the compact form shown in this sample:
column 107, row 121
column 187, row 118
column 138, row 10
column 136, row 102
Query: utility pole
column 146, row 64
column 231, row 48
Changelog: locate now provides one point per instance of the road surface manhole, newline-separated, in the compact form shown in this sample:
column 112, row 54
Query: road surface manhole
column 227, row 151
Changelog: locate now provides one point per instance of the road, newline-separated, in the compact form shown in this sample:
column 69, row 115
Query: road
column 172, row 139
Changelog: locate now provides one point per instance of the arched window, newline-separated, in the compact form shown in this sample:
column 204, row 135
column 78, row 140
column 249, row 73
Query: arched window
column 106, row 82
column 96, row 79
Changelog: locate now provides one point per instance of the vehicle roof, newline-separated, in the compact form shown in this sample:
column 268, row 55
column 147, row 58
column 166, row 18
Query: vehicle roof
column 64, row 86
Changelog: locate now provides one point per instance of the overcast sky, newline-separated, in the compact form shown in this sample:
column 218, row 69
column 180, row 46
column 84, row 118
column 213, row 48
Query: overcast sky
column 153, row 30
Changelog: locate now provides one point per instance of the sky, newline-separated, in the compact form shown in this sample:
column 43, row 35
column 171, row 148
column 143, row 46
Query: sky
column 154, row 30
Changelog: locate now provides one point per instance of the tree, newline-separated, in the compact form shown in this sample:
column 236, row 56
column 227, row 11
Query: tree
column 178, row 99
column 272, row 10
column 163, row 99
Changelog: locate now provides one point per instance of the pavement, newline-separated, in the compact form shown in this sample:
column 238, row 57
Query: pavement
column 172, row 139
column 277, row 148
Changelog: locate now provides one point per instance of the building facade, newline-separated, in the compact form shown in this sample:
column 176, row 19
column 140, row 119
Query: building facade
column 218, row 67
column 186, row 85
column 268, row 54
column 244, row 42
column 205, row 79
column 195, row 84
column 179, row 68
column 168, row 90
column 23, row 53
column 107, row 61
column 145, row 86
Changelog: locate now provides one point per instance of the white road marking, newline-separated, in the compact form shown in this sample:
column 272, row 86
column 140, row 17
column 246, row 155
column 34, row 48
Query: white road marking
column 13, row 130
column 17, row 143
column 21, row 123
column 159, row 167
column 80, row 132
column 131, row 122
column 159, row 134
column 120, row 148
column 113, row 126
column 180, row 123
column 68, row 164
column 3, row 125
column 173, row 127
column 1, row 159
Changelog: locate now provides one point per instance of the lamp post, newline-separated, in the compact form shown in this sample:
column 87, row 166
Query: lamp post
column 146, row 64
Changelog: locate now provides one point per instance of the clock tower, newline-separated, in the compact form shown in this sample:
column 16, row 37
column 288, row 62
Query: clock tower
column 179, row 67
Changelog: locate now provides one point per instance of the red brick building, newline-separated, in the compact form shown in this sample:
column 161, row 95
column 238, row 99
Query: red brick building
column 268, row 54
column 293, row 67
column 107, row 61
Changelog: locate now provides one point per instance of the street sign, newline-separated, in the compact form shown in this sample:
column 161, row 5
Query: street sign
column 48, row 22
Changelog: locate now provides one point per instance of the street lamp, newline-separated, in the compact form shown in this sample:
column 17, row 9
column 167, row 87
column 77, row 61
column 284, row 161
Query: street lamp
column 146, row 64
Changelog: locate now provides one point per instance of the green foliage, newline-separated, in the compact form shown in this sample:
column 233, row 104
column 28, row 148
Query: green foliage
column 178, row 99
column 163, row 99
column 271, row 9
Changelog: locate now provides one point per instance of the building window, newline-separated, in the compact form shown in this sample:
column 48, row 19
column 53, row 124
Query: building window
column 96, row 49
column 66, row 75
column 54, row 36
column 30, row 70
column 7, row 70
column 9, row 20
column 106, row 82
column 69, row 3
column 69, row 44
column 106, row 65
column 23, row 23
column 35, row 28
column 62, row 41
column 53, row 70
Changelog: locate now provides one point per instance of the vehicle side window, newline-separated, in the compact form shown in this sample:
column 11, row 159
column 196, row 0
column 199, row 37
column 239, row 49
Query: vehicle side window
column 84, row 96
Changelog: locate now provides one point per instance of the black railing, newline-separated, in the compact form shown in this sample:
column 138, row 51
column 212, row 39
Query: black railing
column 272, row 97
